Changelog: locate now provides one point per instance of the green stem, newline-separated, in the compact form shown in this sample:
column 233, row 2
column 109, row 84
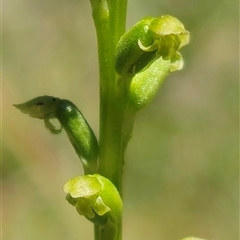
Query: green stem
column 96, row 235
column 109, row 19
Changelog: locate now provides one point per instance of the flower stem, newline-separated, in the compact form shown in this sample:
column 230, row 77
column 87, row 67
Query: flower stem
column 109, row 19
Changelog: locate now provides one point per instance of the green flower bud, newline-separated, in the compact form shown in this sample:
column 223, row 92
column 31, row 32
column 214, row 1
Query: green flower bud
column 96, row 198
column 80, row 134
column 73, row 122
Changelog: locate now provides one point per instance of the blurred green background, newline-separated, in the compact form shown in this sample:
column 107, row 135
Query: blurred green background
column 181, row 170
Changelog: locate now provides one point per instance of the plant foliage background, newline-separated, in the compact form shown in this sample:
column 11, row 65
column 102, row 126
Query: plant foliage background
column 181, row 170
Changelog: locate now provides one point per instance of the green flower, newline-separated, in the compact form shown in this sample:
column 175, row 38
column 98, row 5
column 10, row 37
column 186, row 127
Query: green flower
column 94, row 197
column 148, row 40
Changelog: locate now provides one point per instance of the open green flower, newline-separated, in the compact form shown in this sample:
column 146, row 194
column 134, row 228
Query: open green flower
column 147, row 53
column 148, row 40
column 169, row 35
column 94, row 197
